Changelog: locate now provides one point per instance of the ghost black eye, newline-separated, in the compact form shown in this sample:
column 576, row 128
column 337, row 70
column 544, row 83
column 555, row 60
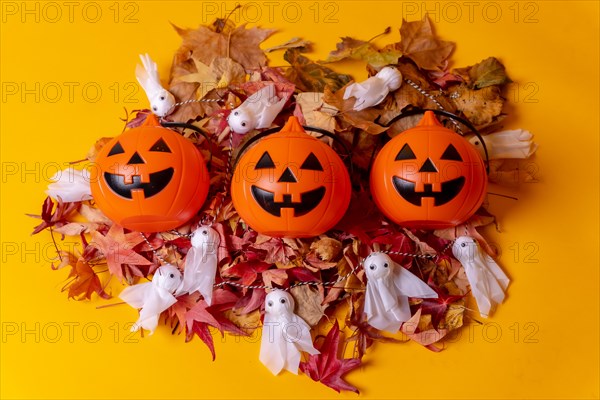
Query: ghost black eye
column 270, row 304
column 372, row 267
column 204, row 232
column 385, row 265
column 162, row 97
column 463, row 244
column 243, row 124
column 282, row 301
column 172, row 276
column 236, row 113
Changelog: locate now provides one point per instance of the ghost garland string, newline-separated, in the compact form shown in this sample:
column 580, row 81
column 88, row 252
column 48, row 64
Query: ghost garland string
column 294, row 235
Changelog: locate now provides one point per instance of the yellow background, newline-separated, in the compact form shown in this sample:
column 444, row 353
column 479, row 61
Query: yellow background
column 543, row 342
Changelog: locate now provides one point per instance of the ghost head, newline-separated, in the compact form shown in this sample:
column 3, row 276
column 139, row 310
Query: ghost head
column 162, row 102
column 464, row 249
column 167, row 277
column 378, row 266
column 242, row 121
column 392, row 78
column 205, row 238
column 279, row 303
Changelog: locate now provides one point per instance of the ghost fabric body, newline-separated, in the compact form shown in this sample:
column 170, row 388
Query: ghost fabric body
column 374, row 90
column 70, row 185
column 488, row 282
column 284, row 334
column 516, row 143
column 161, row 100
column 153, row 297
column 257, row 112
column 201, row 263
column 389, row 286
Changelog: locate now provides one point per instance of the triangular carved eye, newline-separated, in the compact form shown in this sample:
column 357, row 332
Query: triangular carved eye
column 265, row 161
column 312, row 163
column 405, row 153
column 451, row 154
column 116, row 149
column 161, row 146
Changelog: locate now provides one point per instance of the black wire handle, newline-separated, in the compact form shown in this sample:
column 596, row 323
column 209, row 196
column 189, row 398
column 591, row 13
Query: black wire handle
column 195, row 129
column 268, row 132
column 449, row 115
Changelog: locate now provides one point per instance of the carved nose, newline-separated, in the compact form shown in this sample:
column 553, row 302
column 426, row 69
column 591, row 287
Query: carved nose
column 136, row 159
column 287, row 176
column 428, row 166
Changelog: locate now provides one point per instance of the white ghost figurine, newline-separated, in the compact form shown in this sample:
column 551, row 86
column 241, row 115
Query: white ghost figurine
column 257, row 112
column 284, row 334
column 70, row 185
column 389, row 286
column 201, row 263
column 515, row 143
column 372, row 91
column 161, row 100
column 153, row 297
column 488, row 282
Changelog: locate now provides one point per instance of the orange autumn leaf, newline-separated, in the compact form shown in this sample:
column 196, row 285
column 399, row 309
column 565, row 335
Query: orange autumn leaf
column 85, row 282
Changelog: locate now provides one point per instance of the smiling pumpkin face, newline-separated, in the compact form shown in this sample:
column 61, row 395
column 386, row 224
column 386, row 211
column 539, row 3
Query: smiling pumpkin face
column 150, row 179
column 291, row 185
column 428, row 177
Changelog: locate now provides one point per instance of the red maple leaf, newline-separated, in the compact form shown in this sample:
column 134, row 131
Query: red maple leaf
column 326, row 367
column 117, row 247
column 247, row 270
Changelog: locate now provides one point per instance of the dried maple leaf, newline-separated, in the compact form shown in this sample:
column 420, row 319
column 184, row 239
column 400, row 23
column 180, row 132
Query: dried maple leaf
column 248, row 271
column 364, row 50
column 309, row 303
column 312, row 111
column 479, row 106
column 57, row 217
column 326, row 367
column 278, row 250
column 438, row 307
column 117, row 247
column 85, row 282
column 425, row 337
column 240, row 44
column 485, row 73
column 419, row 43
column 309, row 76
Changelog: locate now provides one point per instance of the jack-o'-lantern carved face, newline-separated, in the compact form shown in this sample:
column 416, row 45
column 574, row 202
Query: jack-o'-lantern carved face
column 291, row 185
column 150, row 179
column 428, row 177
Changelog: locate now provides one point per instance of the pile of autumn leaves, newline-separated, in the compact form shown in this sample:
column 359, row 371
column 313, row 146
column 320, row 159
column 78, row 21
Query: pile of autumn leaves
column 224, row 61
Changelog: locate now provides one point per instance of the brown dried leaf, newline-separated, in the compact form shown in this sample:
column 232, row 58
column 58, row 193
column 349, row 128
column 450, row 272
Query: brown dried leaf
column 479, row 106
column 293, row 43
column 420, row 44
column 309, row 76
column 309, row 304
column 485, row 73
column 241, row 45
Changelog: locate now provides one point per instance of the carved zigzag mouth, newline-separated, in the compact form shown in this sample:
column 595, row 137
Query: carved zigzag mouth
column 308, row 201
column 450, row 189
column 158, row 181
